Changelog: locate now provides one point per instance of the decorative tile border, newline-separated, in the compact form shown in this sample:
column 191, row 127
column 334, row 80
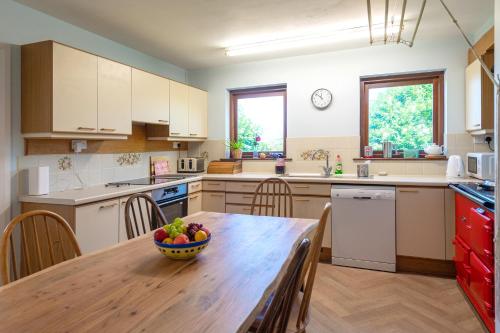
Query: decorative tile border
column 315, row 155
column 204, row 155
column 128, row 159
column 64, row 163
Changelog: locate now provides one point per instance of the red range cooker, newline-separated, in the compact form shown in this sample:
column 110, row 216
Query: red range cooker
column 474, row 249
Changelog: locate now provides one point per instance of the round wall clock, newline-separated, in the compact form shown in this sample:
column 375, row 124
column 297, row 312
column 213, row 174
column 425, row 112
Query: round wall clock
column 321, row 98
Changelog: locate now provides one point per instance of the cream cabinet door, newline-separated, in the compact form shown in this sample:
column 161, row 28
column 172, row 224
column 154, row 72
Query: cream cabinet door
column 312, row 208
column 97, row 225
column 214, row 202
column 197, row 113
column 74, row 90
column 114, row 101
column 179, row 109
column 473, row 96
column 122, row 229
column 420, row 222
column 194, row 203
column 150, row 98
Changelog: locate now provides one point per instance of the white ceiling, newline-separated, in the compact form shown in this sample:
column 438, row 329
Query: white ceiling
column 193, row 33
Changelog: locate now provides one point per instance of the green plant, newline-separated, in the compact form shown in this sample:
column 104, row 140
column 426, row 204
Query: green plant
column 235, row 144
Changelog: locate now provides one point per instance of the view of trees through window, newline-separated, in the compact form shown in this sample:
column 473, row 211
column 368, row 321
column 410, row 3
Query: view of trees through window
column 402, row 115
column 261, row 117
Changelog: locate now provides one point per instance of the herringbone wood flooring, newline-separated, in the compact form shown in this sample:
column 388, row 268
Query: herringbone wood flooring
column 354, row 300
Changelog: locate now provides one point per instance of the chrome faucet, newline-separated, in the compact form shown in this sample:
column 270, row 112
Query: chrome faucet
column 327, row 170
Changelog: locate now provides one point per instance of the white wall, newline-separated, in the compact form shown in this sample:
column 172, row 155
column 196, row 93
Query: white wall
column 339, row 72
column 5, row 140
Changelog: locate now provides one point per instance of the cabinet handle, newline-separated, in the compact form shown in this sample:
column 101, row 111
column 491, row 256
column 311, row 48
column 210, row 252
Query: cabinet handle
column 174, row 133
column 246, row 209
column 303, row 200
column 163, row 121
column 86, row 129
column 463, row 219
column 193, row 134
column 213, row 184
column 248, row 185
column 477, row 125
column 195, row 185
column 194, row 197
column 408, row 191
column 216, row 195
column 301, row 186
column 108, row 129
column 107, row 206
column 247, row 197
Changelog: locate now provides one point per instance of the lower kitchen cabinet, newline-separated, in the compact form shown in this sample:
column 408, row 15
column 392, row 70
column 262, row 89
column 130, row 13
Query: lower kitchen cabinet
column 214, row 201
column 238, row 209
column 194, row 203
column 97, row 225
column 312, row 208
column 420, row 222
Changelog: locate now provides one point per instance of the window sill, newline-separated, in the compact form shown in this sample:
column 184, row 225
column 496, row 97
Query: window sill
column 421, row 159
column 254, row 159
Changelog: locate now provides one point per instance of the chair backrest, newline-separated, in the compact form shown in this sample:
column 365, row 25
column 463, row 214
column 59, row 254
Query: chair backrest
column 310, row 268
column 277, row 315
column 142, row 214
column 273, row 197
column 34, row 241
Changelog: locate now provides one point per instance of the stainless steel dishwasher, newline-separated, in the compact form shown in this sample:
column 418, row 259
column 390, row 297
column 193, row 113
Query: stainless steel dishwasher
column 364, row 227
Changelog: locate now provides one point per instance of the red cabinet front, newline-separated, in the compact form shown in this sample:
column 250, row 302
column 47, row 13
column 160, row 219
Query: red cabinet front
column 482, row 285
column 461, row 259
column 462, row 221
column 481, row 234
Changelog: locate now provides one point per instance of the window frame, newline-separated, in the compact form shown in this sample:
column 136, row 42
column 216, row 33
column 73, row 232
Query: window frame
column 267, row 91
column 435, row 77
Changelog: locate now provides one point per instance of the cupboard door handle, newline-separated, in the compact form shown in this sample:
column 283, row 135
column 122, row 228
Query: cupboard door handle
column 194, row 197
column 301, row 186
column 163, row 121
column 193, row 134
column 463, row 219
column 108, row 129
column 408, row 191
column 477, row 125
column 86, row 129
column 107, row 206
column 248, row 185
column 195, row 185
column 216, row 195
column 480, row 211
column 246, row 209
column 303, row 200
column 174, row 133
column 213, row 184
column 247, row 197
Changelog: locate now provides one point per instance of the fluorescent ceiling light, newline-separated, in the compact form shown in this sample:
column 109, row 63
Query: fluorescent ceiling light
column 307, row 41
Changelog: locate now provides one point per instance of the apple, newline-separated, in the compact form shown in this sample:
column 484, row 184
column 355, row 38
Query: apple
column 181, row 239
column 206, row 231
column 168, row 240
column 160, row 235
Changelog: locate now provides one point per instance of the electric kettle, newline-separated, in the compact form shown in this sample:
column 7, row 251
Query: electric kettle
column 455, row 166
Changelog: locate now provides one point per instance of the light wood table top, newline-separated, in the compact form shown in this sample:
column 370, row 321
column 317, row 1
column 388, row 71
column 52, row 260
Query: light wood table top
column 132, row 287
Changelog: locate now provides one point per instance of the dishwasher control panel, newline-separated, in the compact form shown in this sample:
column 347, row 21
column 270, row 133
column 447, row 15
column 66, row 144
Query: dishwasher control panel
column 363, row 192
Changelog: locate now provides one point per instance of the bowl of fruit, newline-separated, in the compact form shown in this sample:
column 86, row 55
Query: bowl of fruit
column 179, row 241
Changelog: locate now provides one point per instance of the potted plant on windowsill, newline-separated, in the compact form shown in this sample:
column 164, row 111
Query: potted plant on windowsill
column 235, row 148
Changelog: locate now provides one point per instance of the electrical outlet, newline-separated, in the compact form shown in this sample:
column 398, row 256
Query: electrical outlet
column 78, row 145
column 176, row 145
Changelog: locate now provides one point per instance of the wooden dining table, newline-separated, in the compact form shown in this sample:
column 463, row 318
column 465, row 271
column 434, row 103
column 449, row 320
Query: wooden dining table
column 132, row 287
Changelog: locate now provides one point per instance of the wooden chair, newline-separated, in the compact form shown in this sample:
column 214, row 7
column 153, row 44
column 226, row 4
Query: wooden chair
column 43, row 239
column 142, row 214
column 273, row 197
column 278, row 312
column 310, row 268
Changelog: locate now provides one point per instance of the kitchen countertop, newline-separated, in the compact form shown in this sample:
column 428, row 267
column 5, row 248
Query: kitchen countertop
column 99, row 193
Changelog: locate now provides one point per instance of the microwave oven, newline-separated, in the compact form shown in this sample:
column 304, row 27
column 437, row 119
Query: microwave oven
column 481, row 165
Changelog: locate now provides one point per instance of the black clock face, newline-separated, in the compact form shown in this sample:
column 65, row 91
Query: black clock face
column 321, row 98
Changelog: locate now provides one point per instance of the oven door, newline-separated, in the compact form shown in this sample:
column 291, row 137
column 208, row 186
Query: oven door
column 174, row 208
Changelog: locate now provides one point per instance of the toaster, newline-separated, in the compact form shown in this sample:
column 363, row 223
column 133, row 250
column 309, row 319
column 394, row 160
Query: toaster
column 191, row 164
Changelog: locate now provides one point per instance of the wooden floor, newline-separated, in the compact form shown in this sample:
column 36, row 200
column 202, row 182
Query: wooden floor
column 355, row 300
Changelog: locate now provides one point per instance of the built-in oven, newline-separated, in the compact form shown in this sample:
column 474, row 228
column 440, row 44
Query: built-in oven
column 173, row 201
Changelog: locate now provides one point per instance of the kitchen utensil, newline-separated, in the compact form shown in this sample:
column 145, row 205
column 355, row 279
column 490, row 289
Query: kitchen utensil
column 434, row 149
column 363, row 170
column 387, row 147
column 455, row 167
column 182, row 251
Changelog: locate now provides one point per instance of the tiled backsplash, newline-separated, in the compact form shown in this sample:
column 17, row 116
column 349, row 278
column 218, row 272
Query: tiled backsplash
column 93, row 169
column 302, row 152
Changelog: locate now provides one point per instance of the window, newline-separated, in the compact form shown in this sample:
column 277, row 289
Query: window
column 258, row 120
column 406, row 110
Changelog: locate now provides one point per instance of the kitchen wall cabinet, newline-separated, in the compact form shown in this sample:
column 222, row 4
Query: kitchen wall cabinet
column 214, row 202
column 197, row 113
column 114, row 100
column 479, row 96
column 420, row 222
column 179, row 109
column 150, row 98
column 97, row 225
